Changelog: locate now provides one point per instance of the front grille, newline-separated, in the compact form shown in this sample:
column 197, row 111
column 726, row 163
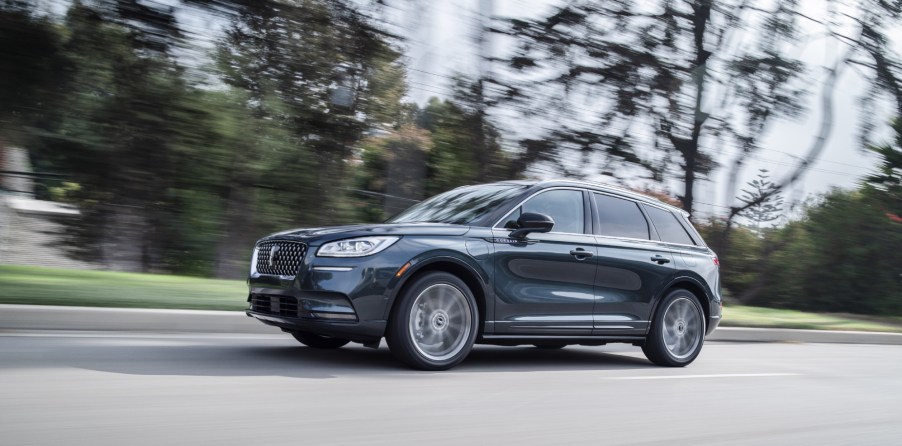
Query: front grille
column 280, row 258
column 278, row 305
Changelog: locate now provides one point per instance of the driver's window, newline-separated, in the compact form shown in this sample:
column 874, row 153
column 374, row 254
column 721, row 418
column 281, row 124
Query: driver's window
column 564, row 206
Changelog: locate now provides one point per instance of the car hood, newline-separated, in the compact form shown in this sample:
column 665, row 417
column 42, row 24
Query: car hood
column 340, row 232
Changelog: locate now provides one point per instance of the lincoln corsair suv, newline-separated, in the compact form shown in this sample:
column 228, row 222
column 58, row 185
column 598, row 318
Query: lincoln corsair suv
column 547, row 263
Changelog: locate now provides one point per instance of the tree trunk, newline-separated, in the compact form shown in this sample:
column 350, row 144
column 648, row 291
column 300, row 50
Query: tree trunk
column 233, row 251
column 123, row 244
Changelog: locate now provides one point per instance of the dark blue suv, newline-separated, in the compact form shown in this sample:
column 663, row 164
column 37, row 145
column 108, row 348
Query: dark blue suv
column 546, row 263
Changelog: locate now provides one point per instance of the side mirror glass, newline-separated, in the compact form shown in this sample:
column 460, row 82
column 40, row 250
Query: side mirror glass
column 532, row 222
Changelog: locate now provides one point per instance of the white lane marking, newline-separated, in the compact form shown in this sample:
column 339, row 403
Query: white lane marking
column 725, row 375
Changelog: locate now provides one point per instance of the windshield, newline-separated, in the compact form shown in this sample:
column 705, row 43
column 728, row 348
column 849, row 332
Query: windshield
column 459, row 206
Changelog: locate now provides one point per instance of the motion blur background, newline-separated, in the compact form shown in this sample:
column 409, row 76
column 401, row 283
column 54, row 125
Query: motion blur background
column 167, row 136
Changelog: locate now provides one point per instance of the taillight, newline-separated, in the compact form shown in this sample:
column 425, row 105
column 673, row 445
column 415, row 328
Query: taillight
column 716, row 261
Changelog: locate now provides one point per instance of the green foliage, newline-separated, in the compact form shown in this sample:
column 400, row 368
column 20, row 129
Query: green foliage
column 739, row 265
column 451, row 144
column 844, row 257
column 462, row 155
column 31, row 62
column 393, row 172
column 886, row 183
column 171, row 174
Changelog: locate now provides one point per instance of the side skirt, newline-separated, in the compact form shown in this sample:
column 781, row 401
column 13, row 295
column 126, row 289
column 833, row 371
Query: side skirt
column 513, row 340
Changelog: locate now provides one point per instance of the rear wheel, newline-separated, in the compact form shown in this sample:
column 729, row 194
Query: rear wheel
column 434, row 324
column 677, row 331
column 316, row 341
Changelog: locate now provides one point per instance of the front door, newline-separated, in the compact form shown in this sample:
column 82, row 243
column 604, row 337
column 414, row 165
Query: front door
column 545, row 284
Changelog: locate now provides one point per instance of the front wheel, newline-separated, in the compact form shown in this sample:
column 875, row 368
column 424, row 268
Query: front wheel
column 677, row 331
column 316, row 341
column 433, row 327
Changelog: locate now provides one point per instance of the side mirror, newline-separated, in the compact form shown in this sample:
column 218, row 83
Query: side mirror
column 532, row 222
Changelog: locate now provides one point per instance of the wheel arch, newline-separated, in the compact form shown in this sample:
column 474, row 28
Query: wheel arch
column 469, row 274
column 695, row 286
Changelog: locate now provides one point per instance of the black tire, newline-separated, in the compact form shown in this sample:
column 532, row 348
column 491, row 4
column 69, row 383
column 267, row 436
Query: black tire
column 677, row 330
column 433, row 335
column 316, row 341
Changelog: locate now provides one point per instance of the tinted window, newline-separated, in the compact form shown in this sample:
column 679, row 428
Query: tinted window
column 669, row 228
column 564, row 206
column 459, row 206
column 620, row 218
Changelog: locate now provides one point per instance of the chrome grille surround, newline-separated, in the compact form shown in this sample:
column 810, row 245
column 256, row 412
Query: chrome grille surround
column 279, row 257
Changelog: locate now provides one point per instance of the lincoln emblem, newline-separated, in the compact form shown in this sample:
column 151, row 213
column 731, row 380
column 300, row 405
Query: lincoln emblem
column 273, row 252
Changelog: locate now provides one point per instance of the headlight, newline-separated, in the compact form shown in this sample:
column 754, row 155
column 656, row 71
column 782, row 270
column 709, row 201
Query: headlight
column 356, row 247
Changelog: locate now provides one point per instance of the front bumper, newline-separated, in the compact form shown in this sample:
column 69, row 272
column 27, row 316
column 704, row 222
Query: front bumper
column 338, row 297
column 363, row 332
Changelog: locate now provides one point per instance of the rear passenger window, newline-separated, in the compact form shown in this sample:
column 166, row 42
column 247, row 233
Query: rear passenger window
column 620, row 218
column 669, row 228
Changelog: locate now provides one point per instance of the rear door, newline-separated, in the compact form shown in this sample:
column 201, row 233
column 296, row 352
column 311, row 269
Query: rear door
column 545, row 285
column 632, row 266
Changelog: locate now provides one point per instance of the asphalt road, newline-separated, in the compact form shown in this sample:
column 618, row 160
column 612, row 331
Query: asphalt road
column 155, row 389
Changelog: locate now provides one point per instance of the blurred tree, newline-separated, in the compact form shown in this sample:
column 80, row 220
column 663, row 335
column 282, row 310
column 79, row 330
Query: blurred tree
column 763, row 210
column 613, row 72
column 124, row 132
column 393, row 172
column 740, row 267
column 886, row 183
column 616, row 68
column 845, row 257
column 327, row 76
column 451, row 144
column 29, row 72
column 467, row 145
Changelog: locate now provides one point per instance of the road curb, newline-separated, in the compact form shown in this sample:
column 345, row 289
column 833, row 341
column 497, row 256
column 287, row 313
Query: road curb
column 747, row 334
column 39, row 317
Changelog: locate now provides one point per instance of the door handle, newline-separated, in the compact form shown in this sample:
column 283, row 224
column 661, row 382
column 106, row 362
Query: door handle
column 660, row 260
column 580, row 253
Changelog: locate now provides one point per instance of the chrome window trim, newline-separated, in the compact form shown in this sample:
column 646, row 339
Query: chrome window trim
column 495, row 226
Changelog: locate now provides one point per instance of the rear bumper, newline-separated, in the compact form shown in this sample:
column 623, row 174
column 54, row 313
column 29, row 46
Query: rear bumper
column 363, row 332
column 713, row 322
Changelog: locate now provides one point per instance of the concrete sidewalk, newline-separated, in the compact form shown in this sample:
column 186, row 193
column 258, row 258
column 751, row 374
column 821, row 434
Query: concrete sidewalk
column 37, row 317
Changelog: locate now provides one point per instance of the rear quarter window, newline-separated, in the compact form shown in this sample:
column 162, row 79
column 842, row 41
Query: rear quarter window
column 669, row 228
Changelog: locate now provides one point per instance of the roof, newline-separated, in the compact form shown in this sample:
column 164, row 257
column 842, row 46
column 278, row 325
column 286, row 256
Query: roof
column 622, row 191
column 599, row 186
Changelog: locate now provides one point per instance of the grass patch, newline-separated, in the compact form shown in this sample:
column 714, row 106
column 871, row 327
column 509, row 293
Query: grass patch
column 742, row 316
column 47, row 286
